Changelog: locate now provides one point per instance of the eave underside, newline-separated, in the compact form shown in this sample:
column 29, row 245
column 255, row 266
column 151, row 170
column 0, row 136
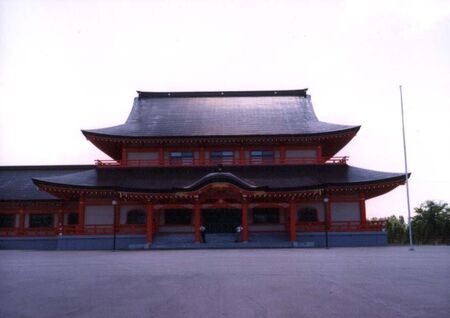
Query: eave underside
column 331, row 142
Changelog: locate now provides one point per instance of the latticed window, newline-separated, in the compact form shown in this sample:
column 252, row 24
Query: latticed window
column 41, row 220
column 136, row 217
column 222, row 155
column 7, row 220
column 266, row 216
column 262, row 154
column 181, row 157
column 307, row 214
column 178, row 216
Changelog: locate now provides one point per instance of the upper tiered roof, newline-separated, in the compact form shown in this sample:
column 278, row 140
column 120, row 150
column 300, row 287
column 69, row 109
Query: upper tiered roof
column 221, row 114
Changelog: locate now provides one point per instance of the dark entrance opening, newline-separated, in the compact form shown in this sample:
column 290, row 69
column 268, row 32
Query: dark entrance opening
column 221, row 220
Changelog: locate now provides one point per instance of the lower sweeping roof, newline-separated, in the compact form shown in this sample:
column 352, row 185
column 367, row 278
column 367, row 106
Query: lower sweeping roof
column 16, row 182
column 267, row 178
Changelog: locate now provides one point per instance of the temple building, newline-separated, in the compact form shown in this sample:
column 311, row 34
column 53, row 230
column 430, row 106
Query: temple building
column 183, row 161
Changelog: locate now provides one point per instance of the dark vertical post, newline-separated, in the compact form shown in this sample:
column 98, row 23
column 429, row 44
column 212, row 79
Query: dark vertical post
column 81, row 215
column 327, row 214
column 116, row 207
column 197, row 221
column 60, row 221
column 149, row 223
column 244, row 220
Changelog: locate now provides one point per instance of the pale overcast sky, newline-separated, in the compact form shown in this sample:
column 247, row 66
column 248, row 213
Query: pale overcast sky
column 68, row 65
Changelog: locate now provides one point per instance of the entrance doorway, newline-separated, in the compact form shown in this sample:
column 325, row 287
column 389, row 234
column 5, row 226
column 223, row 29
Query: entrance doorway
column 221, row 220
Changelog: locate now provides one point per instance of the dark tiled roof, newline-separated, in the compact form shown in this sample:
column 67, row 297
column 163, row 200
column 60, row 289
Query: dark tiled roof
column 16, row 182
column 270, row 178
column 200, row 114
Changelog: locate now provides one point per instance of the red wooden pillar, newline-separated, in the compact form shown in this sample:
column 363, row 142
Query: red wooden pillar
column 161, row 156
column 282, row 154
column 242, row 156
column 197, row 221
column 201, row 157
column 124, row 161
column 21, row 221
column 245, row 221
column 362, row 210
column 81, row 214
column 292, row 221
column 149, row 223
column 319, row 154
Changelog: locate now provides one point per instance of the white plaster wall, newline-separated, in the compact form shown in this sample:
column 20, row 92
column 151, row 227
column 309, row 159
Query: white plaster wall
column 124, row 211
column 344, row 211
column 143, row 155
column 319, row 206
column 99, row 214
column 301, row 153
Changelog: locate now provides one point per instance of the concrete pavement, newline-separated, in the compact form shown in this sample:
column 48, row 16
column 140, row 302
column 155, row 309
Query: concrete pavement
column 340, row 282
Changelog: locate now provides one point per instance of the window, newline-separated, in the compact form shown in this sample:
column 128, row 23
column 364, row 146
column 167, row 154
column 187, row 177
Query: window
column 136, row 217
column 41, row 220
column 183, row 157
column 259, row 155
column 307, row 214
column 7, row 220
column 222, row 156
column 178, row 216
column 72, row 218
column 266, row 216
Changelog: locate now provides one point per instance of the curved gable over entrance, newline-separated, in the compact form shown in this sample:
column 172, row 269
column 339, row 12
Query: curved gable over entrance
column 222, row 177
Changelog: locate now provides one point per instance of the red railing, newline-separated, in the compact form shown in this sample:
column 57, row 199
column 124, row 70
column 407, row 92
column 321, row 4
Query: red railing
column 214, row 162
column 35, row 231
column 341, row 226
column 128, row 229
column 104, row 229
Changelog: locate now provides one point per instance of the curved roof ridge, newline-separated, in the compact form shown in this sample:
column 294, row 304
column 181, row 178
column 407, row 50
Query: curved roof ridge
column 218, row 177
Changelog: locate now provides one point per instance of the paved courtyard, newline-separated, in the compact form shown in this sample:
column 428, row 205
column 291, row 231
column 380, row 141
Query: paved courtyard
column 340, row 282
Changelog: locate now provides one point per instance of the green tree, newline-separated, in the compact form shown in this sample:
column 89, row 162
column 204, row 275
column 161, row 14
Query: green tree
column 431, row 224
column 396, row 229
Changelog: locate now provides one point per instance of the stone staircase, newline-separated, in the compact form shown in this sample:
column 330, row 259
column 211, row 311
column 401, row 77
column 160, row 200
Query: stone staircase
column 221, row 241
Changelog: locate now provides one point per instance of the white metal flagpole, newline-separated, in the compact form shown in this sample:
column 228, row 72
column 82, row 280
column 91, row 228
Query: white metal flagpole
column 411, row 247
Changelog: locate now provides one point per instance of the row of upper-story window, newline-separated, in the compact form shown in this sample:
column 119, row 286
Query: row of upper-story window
column 226, row 156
